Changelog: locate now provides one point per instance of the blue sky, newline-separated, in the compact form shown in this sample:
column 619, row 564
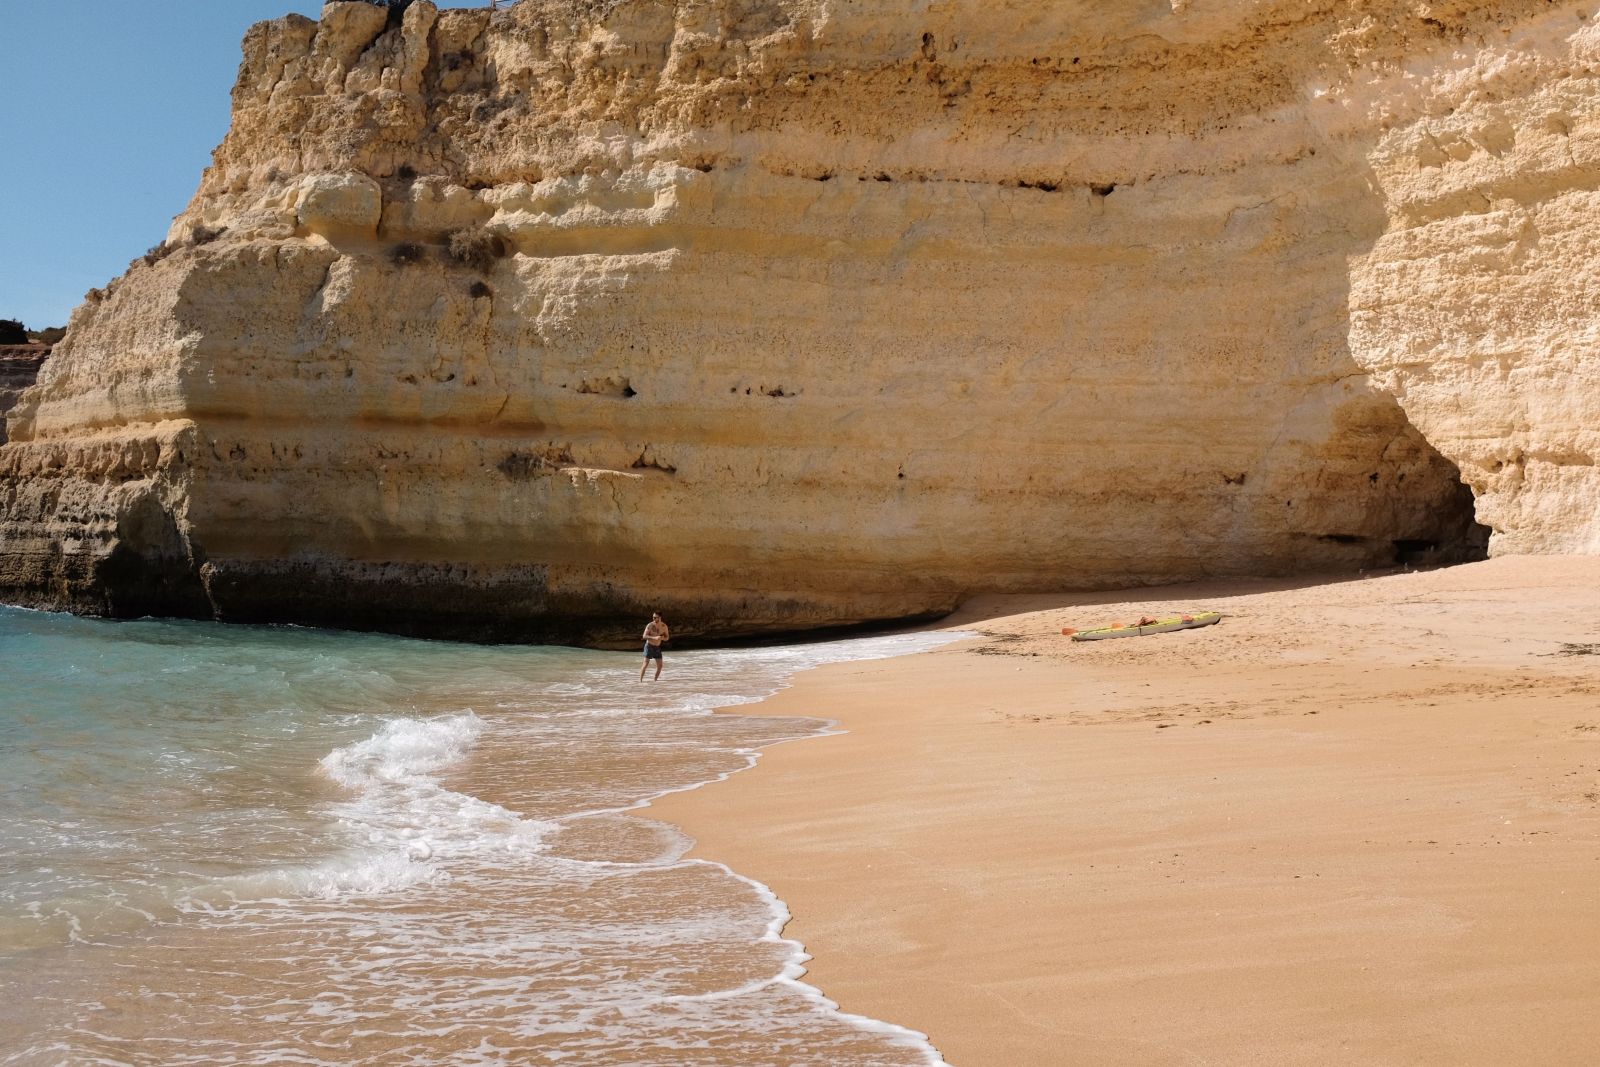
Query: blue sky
column 110, row 112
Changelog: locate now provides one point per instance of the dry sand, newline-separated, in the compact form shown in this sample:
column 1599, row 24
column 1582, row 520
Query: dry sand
column 1357, row 823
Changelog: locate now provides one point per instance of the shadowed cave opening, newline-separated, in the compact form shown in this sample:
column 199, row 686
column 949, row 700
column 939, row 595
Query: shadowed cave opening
column 1459, row 538
column 1396, row 500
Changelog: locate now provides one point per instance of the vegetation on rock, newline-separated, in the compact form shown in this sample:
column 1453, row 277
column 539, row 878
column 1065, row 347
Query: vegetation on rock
column 477, row 248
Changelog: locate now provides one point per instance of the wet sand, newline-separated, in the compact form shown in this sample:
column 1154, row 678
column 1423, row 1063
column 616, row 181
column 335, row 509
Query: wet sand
column 1357, row 822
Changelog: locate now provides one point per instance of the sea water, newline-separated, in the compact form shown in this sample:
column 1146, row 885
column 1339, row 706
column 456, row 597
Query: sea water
column 251, row 845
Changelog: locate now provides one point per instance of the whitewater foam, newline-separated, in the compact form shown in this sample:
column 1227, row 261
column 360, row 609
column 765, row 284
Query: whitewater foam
column 407, row 827
column 404, row 749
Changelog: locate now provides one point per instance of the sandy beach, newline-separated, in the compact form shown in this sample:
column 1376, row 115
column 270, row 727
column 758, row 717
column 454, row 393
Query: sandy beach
column 1357, row 822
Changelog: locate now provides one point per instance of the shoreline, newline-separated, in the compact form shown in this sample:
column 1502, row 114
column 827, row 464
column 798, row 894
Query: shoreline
column 1357, row 820
column 449, row 829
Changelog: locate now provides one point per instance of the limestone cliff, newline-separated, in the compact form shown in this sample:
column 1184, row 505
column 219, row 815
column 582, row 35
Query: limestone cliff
column 789, row 313
column 19, row 367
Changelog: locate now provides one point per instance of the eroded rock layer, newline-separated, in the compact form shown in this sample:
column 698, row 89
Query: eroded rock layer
column 19, row 367
column 791, row 313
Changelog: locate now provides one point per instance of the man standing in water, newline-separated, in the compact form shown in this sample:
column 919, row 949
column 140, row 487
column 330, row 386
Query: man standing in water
column 655, row 632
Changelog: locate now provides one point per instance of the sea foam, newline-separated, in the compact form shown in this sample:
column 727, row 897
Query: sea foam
column 406, row 825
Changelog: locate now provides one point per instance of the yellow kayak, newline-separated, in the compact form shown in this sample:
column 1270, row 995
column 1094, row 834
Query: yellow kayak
column 1164, row 625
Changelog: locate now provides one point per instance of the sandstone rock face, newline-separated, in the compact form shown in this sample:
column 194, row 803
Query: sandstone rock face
column 1479, row 305
column 19, row 366
column 778, row 314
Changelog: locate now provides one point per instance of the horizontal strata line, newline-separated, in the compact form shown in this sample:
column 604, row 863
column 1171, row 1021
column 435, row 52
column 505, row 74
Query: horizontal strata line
column 1526, row 190
column 983, row 245
column 204, row 421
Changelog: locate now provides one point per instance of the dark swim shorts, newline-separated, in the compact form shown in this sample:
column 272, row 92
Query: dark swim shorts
column 652, row 651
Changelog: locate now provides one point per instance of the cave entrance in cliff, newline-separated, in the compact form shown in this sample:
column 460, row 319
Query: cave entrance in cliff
column 1454, row 535
column 1462, row 538
column 1396, row 500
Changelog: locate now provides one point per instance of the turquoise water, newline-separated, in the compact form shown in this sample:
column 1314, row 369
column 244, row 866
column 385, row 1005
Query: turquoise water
column 269, row 844
column 148, row 759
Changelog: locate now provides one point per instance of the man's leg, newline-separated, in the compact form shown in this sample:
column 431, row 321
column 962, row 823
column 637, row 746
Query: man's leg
column 644, row 666
column 659, row 661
